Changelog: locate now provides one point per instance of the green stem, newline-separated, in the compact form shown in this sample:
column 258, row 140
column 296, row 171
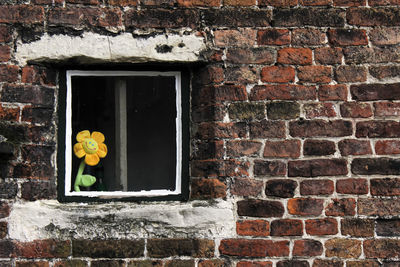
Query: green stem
column 78, row 179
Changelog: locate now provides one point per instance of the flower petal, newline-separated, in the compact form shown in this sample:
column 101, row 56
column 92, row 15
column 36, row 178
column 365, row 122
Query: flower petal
column 78, row 150
column 98, row 137
column 102, row 151
column 92, row 159
column 82, row 135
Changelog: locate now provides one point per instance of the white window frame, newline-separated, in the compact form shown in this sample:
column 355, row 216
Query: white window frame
column 68, row 136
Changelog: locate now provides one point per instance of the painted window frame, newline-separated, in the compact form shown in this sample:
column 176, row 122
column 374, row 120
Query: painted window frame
column 64, row 157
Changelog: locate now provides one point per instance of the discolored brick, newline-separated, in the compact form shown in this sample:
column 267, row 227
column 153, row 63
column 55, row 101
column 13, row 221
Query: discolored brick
column 341, row 207
column 46, row 248
column 252, row 228
column 343, row 248
column 260, row 208
column 295, row 56
column 269, row 168
column 286, row 227
column 382, row 248
column 305, row 206
column 358, row 227
column 180, row 247
column 277, row 74
column 283, row 110
column 347, row 37
column 283, row 92
column 378, row 207
column 316, row 187
column 282, row 149
column 254, row 248
column 207, row 189
column 318, row 147
column 388, row 227
column 246, row 111
column 320, row 128
column 352, row 186
column 280, row 188
column 309, row 17
column 321, row 227
column 328, row 55
column 307, row 248
column 246, row 187
column 317, row 167
column 304, row 37
column 317, row 110
column 385, row 187
column 336, row 92
column 273, row 37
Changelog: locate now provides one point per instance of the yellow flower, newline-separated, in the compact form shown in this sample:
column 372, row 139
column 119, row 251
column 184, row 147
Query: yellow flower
column 91, row 146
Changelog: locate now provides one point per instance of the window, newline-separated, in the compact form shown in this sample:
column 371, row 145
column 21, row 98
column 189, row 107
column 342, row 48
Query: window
column 144, row 118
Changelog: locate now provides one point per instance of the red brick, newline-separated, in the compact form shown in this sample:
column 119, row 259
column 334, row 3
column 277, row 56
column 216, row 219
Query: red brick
column 278, row 3
column 257, row 55
column 343, row 248
column 356, row 227
column 303, row 37
column 39, row 75
column 336, row 92
column 239, row 2
column 316, row 128
column 246, row 187
column 317, row 167
column 307, row 248
column 254, row 248
column 352, row 186
column 48, row 248
column 5, row 53
column 384, row 2
column 363, row 263
column 241, row 74
column 305, row 206
column 282, row 149
column 126, row 2
column 316, row 187
column 32, row 264
column 385, row 187
column 328, row 55
column 374, row 129
column 354, row 147
column 269, row 168
column 382, row 248
column 295, row 56
column 284, row 188
column 84, row 2
column 327, row 263
column 320, row 227
column 9, row 113
column 315, row 74
column 218, row 94
column 235, row 168
column 241, row 148
column 24, row 14
column 238, row 38
column 236, row 18
column 315, row 2
column 9, row 73
column 210, row 75
column 4, row 210
column 207, row 189
column 210, row 130
column 283, row 92
column 127, row 248
column 350, row 74
column 317, row 110
column 5, row 33
column 161, row 18
column 347, row 37
column 387, row 147
column 260, row 208
column 196, row 3
column 349, row 2
column 341, row 207
column 273, row 37
column 286, row 227
column 267, row 129
column 202, row 263
column 386, row 109
column 373, row 16
column 356, row 110
column 254, row 264
column 277, row 74
column 384, row 36
column 252, row 228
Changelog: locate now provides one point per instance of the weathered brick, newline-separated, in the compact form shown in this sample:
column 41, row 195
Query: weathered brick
column 347, row 37
column 382, row 248
column 384, row 36
column 384, row 2
column 280, row 188
column 179, row 247
column 292, row 263
column 320, row 227
column 295, row 56
column 252, row 55
column 5, row 33
column 341, row 207
column 282, row 149
column 387, row 147
column 278, row 3
column 368, row 166
column 260, row 208
column 235, row 168
column 307, row 248
column 314, row 74
column 286, row 227
column 350, row 3
column 241, row 74
column 352, row 186
column 161, row 18
column 46, row 248
column 209, row 74
column 328, row 55
column 273, row 37
column 246, row 111
column 254, row 248
column 199, row 3
column 356, row 110
column 218, row 94
column 386, row 109
column 354, row 147
column 235, row 38
column 32, row 264
column 209, row 263
column 305, row 206
column 25, row 14
column 315, row 2
column 269, row 168
column 355, row 227
column 373, row 16
column 320, row 128
column 378, row 207
column 376, row 129
column 371, row 92
column 208, row 150
column 388, row 227
column 283, row 110
column 9, row 113
column 362, row 55
column 317, row 167
column 343, row 248
column 327, row 263
column 252, row 228
column 38, row 190
column 133, row 2
column 239, row 2
column 309, row 17
column 84, row 2
column 363, row 263
column 305, row 37
column 267, row 129
column 7, row 191
column 113, row 263
column 383, row 72
column 254, row 264
column 243, row 17
column 349, row 74
column 37, row 114
column 246, row 187
column 318, row 147
column 28, row 94
column 390, row 264
column 317, row 110
column 4, row 210
column 207, row 189
column 277, row 74
column 210, row 130
column 208, row 113
column 3, row 230
column 316, row 187
column 283, row 92
column 74, row 263
column 332, row 92
column 9, row 73
column 385, row 187
column 6, row 249
column 5, row 53
column 240, row 148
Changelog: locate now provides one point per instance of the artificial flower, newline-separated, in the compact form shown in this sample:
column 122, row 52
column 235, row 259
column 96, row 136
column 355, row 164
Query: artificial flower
column 91, row 146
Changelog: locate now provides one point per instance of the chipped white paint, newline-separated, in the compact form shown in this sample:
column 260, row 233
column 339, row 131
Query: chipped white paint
column 92, row 47
column 50, row 219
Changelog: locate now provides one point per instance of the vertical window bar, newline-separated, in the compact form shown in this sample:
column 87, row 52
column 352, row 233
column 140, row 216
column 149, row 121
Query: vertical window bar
column 121, row 133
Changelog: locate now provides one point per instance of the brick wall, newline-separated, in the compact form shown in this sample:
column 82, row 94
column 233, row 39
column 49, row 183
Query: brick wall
column 295, row 123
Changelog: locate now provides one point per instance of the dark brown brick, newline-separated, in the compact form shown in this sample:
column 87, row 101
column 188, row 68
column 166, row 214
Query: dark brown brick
column 242, row 75
column 260, row 208
column 267, row 129
column 273, row 37
column 209, row 75
column 378, row 207
column 246, row 187
column 362, row 55
column 161, row 18
column 332, row 92
column 388, row 227
column 246, row 111
column 283, row 92
column 24, row 14
column 218, row 94
column 341, row 207
column 382, row 248
column 363, row 263
column 298, row 56
column 318, row 147
column 269, row 168
column 239, row 2
column 383, row 72
column 348, row 3
column 320, row 227
column 211, row 130
column 108, row 248
column 72, row 263
column 207, row 189
column 278, row 3
column 347, row 37
column 3, row 230
column 351, row 74
column 197, row 3
column 305, row 37
column 352, row 186
column 384, row 3
column 280, row 188
column 277, row 74
column 32, row 264
column 38, row 95
column 316, row 187
column 283, row 110
column 320, row 128
column 241, row 148
column 368, row 166
column 343, row 248
column 254, row 248
column 374, row 129
column 386, row 109
column 328, row 55
column 358, row 227
column 385, row 187
column 327, row 263
column 38, row 190
column 243, row 17
column 305, row 206
column 373, row 16
column 5, row 33
column 387, row 147
column 371, row 92
column 354, row 147
column 208, row 113
column 135, row 2
column 237, row 38
column 307, row 248
column 213, row 263
column 309, row 17
column 108, row 263
column 286, row 227
column 356, row 110
column 292, row 263
column 317, row 110
column 5, row 53
column 251, row 55
column 254, row 264
column 317, row 167
column 282, row 149
column 252, row 228
column 46, row 248
column 180, row 247
column 384, row 36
